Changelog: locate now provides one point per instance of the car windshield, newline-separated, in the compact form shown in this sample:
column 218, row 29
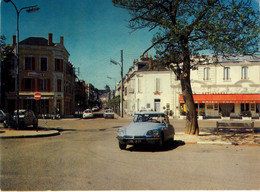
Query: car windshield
column 109, row 111
column 87, row 111
column 154, row 118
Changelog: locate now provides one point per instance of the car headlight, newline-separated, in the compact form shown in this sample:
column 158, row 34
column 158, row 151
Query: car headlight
column 120, row 132
column 153, row 132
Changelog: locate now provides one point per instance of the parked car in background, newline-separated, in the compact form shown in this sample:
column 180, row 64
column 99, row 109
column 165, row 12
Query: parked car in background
column 109, row 113
column 3, row 116
column 26, row 118
column 87, row 114
column 95, row 108
column 146, row 128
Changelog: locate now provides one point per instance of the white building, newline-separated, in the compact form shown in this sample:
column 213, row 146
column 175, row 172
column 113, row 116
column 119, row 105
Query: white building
column 233, row 84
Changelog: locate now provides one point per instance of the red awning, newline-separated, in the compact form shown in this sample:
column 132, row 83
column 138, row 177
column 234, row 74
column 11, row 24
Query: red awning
column 225, row 98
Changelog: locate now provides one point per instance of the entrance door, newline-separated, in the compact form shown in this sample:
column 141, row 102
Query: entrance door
column 58, row 107
column 157, row 104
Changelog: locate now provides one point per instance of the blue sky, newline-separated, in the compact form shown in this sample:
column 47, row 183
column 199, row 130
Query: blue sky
column 94, row 32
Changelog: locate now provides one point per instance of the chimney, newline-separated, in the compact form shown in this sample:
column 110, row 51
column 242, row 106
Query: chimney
column 14, row 40
column 49, row 38
column 61, row 40
column 150, row 62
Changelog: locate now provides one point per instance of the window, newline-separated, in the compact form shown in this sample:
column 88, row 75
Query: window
column 226, row 75
column 59, row 65
column 206, row 73
column 59, row 85
column 252, row 107
column 29, row 63
column 28, row 84
column 244, row 73
column 139, row 85
column 216, row 107
column 43, row 84
column 125, row 88
column 157, row 85
column 244, row 107
column 44, row 64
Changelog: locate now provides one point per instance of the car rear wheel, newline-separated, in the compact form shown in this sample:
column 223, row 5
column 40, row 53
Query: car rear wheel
column 122, row 146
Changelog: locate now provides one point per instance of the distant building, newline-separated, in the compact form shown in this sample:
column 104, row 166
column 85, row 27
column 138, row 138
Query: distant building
column 45, row 68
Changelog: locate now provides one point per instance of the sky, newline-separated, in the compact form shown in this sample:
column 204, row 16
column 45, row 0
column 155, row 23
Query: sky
column 94, row 32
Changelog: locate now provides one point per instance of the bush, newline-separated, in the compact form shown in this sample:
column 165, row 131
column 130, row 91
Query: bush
column 225, row 113
column 246, row 114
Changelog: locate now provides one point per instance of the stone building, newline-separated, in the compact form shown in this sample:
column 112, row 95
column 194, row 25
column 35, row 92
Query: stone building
column 233, row 84
column 45, row 68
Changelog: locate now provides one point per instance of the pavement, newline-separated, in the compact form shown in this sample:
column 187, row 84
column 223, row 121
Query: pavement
column 245, row 138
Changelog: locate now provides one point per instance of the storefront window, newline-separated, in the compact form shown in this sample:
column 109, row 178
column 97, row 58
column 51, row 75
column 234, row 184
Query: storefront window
column 227, row 107
column 244, row 107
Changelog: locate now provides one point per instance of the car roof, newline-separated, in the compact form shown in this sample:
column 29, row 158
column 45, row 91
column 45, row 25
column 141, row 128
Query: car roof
column 149, row 113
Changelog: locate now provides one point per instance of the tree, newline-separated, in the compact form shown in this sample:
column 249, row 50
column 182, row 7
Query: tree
column 186, row 28
column 7, row 64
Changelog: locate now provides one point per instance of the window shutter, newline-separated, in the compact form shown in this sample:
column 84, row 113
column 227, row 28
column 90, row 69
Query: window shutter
column 23, row 85
column 48, row 85
column 33, row 63
column 62, row 65
column 33, row 85
column 56, row 64
column 38, row 85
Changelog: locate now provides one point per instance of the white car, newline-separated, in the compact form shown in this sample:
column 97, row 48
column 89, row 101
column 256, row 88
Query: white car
column 95, row 108
column 109, row 113
column 87, row 114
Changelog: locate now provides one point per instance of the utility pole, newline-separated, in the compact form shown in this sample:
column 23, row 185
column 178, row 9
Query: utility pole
column 122, row 84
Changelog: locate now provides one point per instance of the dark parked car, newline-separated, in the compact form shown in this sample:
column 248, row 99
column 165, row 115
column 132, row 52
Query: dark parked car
column 26, row 118
column 146, row 128
column 3, row 116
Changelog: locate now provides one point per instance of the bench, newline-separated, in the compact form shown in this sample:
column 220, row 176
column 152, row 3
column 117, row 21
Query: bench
column 235, row 125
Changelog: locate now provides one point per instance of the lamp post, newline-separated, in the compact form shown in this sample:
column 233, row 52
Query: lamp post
column 28, row 9
column 122, row 84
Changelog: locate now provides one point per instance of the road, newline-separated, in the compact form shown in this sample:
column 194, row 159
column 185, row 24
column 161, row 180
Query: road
column 86, row 156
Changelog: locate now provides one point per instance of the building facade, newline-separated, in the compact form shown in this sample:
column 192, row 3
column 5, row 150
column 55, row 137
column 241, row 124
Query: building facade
column 45, row 68
column 233, row 85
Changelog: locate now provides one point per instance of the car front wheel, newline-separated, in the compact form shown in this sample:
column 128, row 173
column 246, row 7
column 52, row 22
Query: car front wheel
column 122, row 146
column 161, row 141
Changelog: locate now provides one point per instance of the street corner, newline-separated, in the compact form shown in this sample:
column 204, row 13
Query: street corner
column 222, row 139
column 7, row 133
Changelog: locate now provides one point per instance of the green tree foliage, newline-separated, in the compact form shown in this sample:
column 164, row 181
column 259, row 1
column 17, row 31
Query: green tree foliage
column 115, row 102
column 185, row 28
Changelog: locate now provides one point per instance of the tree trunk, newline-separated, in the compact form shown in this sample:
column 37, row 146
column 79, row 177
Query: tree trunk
column 192, row 126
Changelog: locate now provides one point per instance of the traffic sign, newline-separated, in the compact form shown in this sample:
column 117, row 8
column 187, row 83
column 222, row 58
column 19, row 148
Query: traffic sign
column 37, row 96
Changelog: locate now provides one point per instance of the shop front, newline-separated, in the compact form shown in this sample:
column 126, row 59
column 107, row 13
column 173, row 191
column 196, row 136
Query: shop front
column 212, row 105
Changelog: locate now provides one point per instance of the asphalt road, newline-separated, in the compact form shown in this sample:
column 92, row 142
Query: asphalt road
column 86, row 156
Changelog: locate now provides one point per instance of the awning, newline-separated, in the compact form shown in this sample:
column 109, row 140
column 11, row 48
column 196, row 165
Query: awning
column 224, row 98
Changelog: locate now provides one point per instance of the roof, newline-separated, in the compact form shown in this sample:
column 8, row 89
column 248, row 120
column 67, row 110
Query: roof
column 35, row 41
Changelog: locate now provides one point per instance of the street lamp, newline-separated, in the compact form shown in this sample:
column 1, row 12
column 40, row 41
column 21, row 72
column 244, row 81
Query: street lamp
column 28, row 9
column 122, row 84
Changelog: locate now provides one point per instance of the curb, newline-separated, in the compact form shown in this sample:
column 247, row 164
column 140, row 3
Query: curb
column 30, row 136
column 221, row 143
